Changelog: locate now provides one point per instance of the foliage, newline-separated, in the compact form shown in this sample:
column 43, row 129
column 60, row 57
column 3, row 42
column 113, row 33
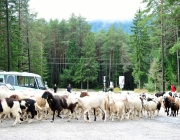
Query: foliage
column 68, row 51
column 140, row 46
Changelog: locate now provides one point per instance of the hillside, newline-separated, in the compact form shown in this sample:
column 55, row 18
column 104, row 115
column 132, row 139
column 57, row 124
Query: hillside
column 97, row 25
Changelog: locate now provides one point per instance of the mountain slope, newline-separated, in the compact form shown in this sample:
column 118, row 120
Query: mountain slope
column 97, row 25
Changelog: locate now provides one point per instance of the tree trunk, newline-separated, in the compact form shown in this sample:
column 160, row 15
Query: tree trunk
column 178, row 54
column 162, row 46
column 8, row 36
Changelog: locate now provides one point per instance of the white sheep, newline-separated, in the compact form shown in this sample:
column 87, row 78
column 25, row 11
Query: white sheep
column 92, row 101
column 11, row 106
column 117, row 107
column 150, row 107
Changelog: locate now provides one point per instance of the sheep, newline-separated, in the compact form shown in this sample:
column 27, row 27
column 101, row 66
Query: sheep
column 117, row 107
column 93, row 101
column 78, row 106
column 167, row 101
column 29, row 105
column 15, row 97
column 128, row 101
column 5, row 92
column 150, row 107
column 137, row 107
column 159, row 94
column 58, row 103
column 174, row 108
column 44, row 109
column 9, row 105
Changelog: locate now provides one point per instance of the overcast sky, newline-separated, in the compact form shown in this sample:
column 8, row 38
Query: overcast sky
column 89, row 9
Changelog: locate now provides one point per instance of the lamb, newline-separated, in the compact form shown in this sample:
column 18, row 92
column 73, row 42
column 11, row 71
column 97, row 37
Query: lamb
column 8, row 106
column 117, row 107
column 128, row 101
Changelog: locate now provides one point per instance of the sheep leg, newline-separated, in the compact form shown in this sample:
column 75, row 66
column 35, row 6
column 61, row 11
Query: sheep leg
column 87, row 117
column 70, row 117
column 59, row 114
column 17, row 118
column 94, row 114
column 104, row 115
column 53, row 116
column 75, row 115
column 7, row 116
column 167, row 111
column 87, row 111
column 112, row 116
column 157, row 112
column 32, row 116
column 122, row 114
column 48, row 113
column 135, row 112
column 41, row 115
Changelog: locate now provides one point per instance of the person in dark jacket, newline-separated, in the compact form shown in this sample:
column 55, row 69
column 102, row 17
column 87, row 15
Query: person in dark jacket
column 69, row 88
column 104, row 89
column 55, row 88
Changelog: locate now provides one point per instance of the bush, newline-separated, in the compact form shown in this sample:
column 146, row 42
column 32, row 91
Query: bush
column 149, row 86
column 177, row 88
column 116, row 90
column 140, row 90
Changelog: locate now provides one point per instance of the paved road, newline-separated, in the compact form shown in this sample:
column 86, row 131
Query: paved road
column 161, row 128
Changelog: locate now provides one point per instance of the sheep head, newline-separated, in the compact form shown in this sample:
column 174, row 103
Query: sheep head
column 46, row 95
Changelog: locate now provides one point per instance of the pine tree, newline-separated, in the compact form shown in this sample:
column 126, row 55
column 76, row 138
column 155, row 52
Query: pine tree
column 141, row 49
column 90, row 68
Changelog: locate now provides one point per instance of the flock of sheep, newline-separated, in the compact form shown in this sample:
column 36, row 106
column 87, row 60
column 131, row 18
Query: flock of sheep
column 125, row 105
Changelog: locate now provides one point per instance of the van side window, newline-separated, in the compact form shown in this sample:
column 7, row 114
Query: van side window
column 1, row 80
column 10, row 80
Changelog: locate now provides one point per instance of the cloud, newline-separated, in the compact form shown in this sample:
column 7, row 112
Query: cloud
column 89, row 9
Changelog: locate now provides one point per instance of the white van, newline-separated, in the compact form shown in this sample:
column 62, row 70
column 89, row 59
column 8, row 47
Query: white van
column 22, row 80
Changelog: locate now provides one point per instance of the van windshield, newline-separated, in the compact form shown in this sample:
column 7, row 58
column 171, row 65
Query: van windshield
column 40, row 83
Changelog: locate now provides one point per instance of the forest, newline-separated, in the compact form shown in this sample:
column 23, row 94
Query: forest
column 68, row 51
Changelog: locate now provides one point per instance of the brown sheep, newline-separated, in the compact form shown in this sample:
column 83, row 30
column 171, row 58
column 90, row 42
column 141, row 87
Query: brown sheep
column 174, row 109
column 167, row 101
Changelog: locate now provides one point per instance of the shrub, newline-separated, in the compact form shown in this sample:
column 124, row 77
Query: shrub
column 140, row 90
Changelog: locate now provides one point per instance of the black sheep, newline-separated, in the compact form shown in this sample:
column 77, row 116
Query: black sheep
column 158, row 94
column 58, row 103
